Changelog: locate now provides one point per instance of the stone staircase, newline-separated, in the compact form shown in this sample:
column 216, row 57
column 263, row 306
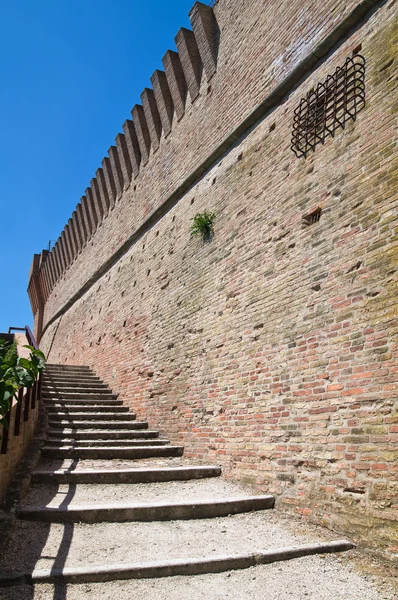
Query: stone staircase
column 107, row 481
column 86, row 420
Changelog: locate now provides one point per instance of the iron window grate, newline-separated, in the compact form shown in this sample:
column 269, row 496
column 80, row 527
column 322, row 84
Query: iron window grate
column 327, row 108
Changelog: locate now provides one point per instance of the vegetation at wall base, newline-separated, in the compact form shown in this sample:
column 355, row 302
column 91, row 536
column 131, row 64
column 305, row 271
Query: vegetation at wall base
column 16, row 372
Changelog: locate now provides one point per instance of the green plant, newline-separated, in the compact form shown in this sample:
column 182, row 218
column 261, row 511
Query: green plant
column 203, row 224
column 16, row 372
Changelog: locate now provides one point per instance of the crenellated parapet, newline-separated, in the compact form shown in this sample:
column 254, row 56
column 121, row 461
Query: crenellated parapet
column 161, row 105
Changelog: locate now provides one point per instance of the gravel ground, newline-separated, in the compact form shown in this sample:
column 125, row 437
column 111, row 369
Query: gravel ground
column 308, row 578
column 137, row 493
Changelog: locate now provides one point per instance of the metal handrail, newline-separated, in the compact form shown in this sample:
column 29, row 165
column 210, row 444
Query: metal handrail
column 31, row 338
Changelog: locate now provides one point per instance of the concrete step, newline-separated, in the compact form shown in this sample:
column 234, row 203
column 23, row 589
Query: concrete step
column 88, row 416
column 112, row 452
column 99, row 434
column 78, row 407
column 79, row 396
column 119, row 476
column 147, row 512
column 121, row 442
column 105, row 425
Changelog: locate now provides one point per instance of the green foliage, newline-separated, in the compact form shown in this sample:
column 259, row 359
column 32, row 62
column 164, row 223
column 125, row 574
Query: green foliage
column 12, row 352
column 203, row 225
column 16, row 372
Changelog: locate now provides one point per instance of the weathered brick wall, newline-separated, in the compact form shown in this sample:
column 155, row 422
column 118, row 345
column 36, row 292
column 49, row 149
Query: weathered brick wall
column 254, row 53
column 272, row 349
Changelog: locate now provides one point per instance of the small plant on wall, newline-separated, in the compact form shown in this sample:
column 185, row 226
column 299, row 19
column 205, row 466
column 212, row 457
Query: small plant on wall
column 203, row 225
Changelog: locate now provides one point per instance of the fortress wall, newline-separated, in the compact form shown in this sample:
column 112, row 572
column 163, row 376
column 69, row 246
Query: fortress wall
column 271, row 350
column 254, row 53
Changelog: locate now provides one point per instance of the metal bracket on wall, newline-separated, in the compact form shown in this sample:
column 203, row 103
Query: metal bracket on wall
column 334, row 102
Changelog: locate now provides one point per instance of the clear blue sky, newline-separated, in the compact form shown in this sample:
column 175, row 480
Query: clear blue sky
column 70, row 72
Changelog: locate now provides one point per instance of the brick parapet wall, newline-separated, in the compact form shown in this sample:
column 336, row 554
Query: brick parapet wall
column 273, row 349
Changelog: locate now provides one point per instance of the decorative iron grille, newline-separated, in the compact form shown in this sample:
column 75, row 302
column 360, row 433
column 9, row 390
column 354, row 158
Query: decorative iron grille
column 327, row 108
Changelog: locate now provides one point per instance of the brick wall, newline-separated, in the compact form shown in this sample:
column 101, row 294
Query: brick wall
column 271, row 350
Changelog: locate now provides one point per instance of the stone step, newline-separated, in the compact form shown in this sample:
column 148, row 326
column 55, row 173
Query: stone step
column 49, row 372
column 73, row 380
column 50, row 366
column 67, row 409
column 112, row 546
column 73, row 403
column 83, row 383
column 50, row 390
column 168, row 568
column 76, row 388
column 147, row 512
column 69, row 382
column 105, row 425
column 50, row 383
column 74, row 417
column 79, row 396
column 112, row 452
column 105, row 434
column 119, row 476
column 121, row 442
column 189, row 491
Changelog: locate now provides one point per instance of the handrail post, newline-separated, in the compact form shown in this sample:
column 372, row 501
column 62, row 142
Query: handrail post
column 28, row 397
column 17, row 424
column 4, row 439
column 36, row 392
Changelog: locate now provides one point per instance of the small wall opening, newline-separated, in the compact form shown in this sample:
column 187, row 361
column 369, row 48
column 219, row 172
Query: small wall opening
column 312, row 217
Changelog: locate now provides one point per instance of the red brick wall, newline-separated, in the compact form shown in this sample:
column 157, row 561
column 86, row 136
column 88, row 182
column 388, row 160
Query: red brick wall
column 271, row 350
